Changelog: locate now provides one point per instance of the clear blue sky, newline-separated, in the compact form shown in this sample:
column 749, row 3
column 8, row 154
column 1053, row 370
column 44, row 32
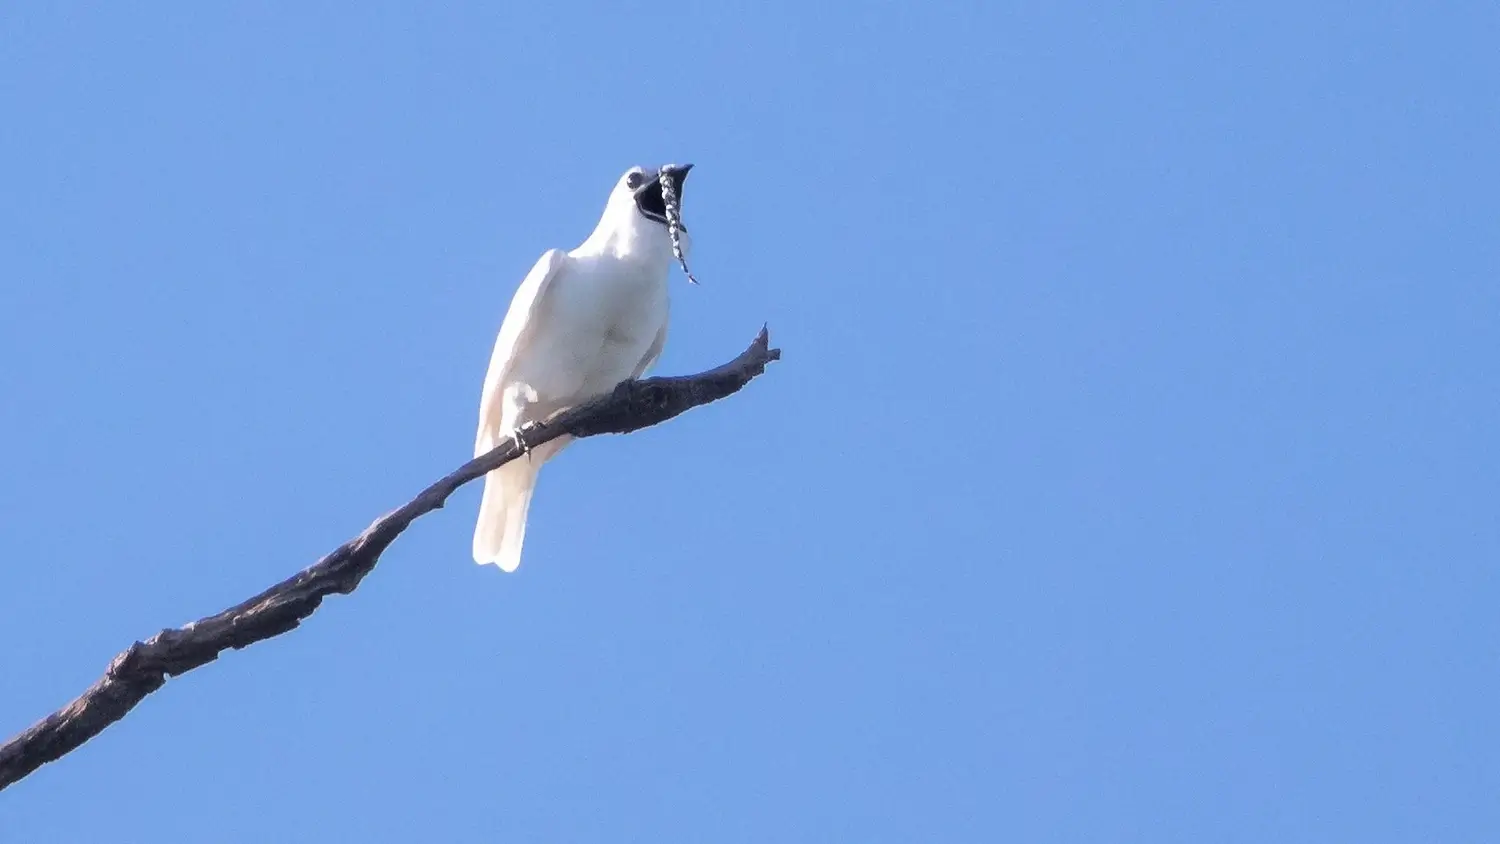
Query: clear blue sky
column 1131, row 474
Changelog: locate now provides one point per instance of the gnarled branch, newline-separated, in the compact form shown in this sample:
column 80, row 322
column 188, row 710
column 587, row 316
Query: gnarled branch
column 145, row 666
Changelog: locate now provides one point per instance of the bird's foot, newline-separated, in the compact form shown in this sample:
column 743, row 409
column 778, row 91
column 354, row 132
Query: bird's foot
column 524, row 434
column 519, row 435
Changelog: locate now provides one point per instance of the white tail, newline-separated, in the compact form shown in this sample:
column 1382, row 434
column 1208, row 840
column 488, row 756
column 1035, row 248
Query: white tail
column 501, row 528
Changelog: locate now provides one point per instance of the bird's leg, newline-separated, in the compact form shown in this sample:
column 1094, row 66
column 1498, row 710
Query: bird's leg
column 519, row 435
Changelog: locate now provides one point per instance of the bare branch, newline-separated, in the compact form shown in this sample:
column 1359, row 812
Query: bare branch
column 144, row 667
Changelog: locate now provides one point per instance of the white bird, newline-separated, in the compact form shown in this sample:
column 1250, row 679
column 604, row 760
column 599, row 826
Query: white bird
column 580, row 323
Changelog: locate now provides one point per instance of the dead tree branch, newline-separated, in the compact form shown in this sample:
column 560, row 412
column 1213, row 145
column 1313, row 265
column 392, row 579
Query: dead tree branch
column 145, row 666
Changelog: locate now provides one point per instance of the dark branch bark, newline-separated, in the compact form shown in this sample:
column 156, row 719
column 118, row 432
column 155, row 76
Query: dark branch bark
column 144, row 667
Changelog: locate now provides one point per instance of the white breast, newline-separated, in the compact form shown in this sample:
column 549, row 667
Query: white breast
column 602, row 317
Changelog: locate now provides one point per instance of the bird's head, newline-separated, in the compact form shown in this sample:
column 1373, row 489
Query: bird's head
column 636, row 215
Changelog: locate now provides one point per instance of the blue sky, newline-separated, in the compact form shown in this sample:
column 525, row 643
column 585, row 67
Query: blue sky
column 1130, row 475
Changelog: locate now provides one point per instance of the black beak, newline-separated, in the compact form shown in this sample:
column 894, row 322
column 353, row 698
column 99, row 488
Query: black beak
column 677, row 173
column 648, row 197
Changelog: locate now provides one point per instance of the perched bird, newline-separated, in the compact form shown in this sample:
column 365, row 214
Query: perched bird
column 580, row 323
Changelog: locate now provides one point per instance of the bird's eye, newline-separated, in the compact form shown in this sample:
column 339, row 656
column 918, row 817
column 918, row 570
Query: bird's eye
column 635, row 179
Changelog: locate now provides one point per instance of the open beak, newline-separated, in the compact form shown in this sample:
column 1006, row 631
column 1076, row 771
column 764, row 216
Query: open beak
column 649, row 196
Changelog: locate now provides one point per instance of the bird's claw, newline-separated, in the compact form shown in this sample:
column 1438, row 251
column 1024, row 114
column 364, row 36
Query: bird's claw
column 519, row 435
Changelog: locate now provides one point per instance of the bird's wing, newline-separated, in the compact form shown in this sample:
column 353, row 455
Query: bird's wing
column 649, row 360
column 527, row 309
